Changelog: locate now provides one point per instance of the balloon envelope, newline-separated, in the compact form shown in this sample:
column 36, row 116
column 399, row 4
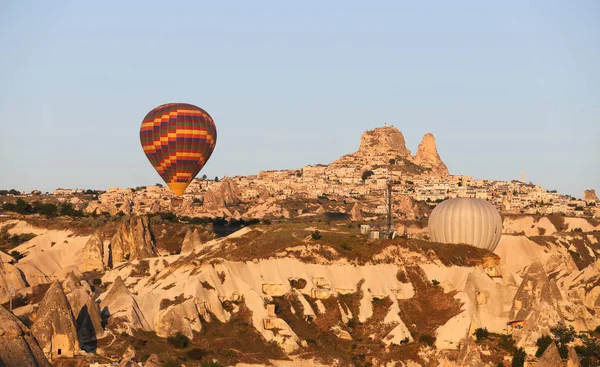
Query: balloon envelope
column 178, row 139
column 470, row 221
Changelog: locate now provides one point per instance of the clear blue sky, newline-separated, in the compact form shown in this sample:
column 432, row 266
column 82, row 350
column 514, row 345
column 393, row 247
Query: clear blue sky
column 503, row 86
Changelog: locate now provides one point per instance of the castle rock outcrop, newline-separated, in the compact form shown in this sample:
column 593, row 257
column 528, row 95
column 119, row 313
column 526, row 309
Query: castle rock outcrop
column 384, row 140
column 427, row 156
column 54, row 326
column 18, row 348
column 133, row 240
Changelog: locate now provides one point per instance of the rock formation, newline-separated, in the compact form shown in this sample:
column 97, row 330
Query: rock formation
column 384, row 140
column 126, row 207
column 573, row 359
column 320, row 210
column 182, row 318
column 54, row 326
column 18, row 348
column 128, row 358
column 77, row 293
column 469, row 355
column 355, row 213
column 427, row 156
column 153, row 361
column 191, row 240
column 133, row 240
column 93, row 254
column 221, row 194
column 9, row 274
column 89, row 323
column 590, row 196
column 268, row 209
column 119, row 303
column 551, row 357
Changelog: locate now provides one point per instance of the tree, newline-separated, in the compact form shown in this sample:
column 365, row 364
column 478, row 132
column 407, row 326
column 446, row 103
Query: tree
column 563, row 335
column 589, row 351
column 481, row 333
column 68, row 210
column 204, row 177
column 392, row 161
column 216, row 178
column 17, row 255
column 49, row 210
column 366, row 174
column 543, row 343
column 519, row 358
column 21, row 207
column 179, row 341
column 316, row 235
column 159, row 185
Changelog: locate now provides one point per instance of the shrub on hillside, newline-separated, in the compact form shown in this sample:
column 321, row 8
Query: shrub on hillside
column 427, row 339
column 316, row 235
column 481, row 333
column 519, row 358
column 17, row 255
column 179, row 341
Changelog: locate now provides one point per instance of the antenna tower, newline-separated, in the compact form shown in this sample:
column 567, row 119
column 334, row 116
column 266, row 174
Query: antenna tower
column 388, row 200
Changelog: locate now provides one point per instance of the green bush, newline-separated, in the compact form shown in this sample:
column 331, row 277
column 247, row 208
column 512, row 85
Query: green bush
column 481, row 333
column 170, row 362
column 435, row 282
column 345, row 247
column 196, row 354
column 68, row 211
column 366, row 174
column 179, row 341
column 427, row 339
column 519, row 358
column 589, row 351
column 49, row 210
column 97, row 281
column 543, row 343
column 316, row 235
column 17, row 255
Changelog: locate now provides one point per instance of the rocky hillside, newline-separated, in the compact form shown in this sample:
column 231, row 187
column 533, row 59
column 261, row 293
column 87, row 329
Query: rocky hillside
column 308, row 291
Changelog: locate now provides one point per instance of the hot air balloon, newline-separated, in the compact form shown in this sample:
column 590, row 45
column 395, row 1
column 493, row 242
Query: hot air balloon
column 474, row 222
column 178, row 139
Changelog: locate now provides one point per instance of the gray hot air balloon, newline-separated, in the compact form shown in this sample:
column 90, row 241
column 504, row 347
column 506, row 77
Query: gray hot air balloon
column 471, row 221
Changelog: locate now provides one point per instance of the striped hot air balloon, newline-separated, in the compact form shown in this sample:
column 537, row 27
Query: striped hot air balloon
column 474, row 222
column 178, row 139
